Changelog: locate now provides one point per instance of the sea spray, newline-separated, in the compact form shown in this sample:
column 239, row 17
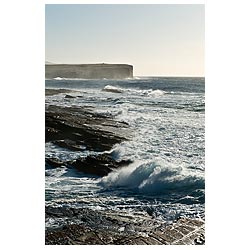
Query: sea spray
column 153, row 177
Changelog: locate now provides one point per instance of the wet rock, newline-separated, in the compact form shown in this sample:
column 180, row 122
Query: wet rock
column 49, row 92
column 99, row 165
column 150, row 211
column 76, row 128
column 69, row 96
column 54, row 162
column 54, row 212
column 110, row 227
column 70, row 144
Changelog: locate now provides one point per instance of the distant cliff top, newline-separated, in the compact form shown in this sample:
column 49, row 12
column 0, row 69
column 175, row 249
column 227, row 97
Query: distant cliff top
column 88, row 64
column 48, row 63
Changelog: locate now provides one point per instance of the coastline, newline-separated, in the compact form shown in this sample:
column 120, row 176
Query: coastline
column 73, row 128
column 112, row 228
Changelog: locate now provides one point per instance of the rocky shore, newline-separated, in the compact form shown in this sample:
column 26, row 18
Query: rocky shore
column 85, row 226
column 78, row 129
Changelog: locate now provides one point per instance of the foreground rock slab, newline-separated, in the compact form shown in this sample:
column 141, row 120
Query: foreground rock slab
column 88, row 227
column 183, row 232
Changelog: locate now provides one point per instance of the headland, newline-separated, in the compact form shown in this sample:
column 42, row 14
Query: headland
column 89, row 71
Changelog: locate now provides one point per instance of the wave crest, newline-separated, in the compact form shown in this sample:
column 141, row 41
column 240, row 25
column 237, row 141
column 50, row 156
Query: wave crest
column 143, row 92
column 156, row 92
column 58, row 78
column 110, row 88
column 153, row 177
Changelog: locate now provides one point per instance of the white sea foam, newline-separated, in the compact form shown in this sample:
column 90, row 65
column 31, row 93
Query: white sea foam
column 58, row 78
column 110, row 88
column 141, row 92
column 153, row 177
column 156, row 92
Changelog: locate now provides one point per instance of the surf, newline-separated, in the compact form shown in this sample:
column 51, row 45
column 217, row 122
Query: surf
column 153, row 177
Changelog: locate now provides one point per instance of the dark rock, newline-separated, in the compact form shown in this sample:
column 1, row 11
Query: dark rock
column 150, row 211
column 53, row 162
column 76, row 128
column 99, row 165
column 103, row 227
column 54, row 212
column 69, row 96
column 70, row 144
column 49, row 92
column 66, row 235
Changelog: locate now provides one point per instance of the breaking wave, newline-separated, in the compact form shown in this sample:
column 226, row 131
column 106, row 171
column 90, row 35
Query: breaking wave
column 154, row 177
column 156, row 92
column 144, row 92
column 58, row 78
column 110, row 88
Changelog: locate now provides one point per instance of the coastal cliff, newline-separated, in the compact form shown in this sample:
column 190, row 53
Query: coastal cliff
column 89, row 71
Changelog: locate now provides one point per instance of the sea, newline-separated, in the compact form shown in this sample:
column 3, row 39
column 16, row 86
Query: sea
column 166, row 144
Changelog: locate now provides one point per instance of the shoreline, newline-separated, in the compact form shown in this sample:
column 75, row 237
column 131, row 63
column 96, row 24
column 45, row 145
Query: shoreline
column 75, row 129
column 117, row 228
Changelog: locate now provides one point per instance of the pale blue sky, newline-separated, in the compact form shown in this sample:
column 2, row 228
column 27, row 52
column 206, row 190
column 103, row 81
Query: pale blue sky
column 158, row 40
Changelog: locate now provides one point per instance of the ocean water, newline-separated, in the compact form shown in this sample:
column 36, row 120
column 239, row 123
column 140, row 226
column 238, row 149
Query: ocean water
column 166, row 117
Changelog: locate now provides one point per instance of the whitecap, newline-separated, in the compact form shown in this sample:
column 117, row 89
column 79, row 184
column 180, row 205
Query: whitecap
column 58, row 78
column 156, row 92
column 110, row 88
column 153, row 177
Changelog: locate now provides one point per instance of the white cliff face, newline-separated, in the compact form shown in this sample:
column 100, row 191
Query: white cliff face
column 88, row 71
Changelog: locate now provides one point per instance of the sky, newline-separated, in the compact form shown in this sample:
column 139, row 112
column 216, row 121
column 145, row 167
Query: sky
column 158, row 40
